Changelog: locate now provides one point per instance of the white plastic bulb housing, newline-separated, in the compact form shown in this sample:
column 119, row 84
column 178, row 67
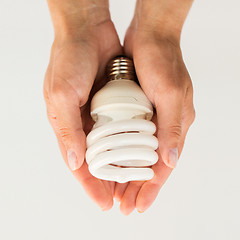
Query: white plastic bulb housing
column 121, row 146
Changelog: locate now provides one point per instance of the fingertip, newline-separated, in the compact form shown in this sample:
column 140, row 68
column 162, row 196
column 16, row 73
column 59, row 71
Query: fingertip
column 146, row 197
column 107, row 205
column 105, row 201
column 126, row 210
column 142, row 209
column 141, row 206
column 128, row 201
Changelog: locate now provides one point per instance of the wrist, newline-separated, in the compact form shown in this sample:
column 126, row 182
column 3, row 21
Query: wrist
column 164, row 18
column 71, row 18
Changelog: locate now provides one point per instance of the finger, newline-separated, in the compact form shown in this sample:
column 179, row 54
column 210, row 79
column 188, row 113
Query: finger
column 112, row 187
column 119, row 190
column 94, row 187
column 150, row 189
column 109, row 185
column 169, row 109
column 128, row 202
column 68, row 125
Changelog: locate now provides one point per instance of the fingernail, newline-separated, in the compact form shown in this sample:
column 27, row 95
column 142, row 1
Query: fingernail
column 173, row 157
column 72, row 160
column 140, row 211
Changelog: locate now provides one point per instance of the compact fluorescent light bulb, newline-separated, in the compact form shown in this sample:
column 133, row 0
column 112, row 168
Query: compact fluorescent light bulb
column 121, row 146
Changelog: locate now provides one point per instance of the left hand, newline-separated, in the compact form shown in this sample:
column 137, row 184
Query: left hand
column 164, row 78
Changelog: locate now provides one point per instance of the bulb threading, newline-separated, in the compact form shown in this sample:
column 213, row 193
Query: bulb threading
column 121, row 67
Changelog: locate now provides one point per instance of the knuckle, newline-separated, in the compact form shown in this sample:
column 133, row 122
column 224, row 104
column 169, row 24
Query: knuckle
column 172, row 131
column 46, row 96
column 83, row 99
column 65, row 93
column 176, row 90
column 65, row 133
column 61, row 87
column 59, row 92
column 173, row 94
column 51, row 116
column 192, row 116
column 175, row 131
column 173, row 89
column 68, row 133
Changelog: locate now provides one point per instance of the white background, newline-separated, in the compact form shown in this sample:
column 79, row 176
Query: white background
column 40, row 199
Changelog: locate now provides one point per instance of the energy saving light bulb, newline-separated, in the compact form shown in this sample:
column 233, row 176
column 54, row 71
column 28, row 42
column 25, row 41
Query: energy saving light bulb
column 121, row 146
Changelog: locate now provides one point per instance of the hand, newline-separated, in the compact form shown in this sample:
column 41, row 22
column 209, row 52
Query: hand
column 77, row 63
column 165, row 80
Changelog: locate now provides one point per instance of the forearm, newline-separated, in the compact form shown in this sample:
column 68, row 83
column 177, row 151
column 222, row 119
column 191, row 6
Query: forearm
column 165, row 17
column 71, row 16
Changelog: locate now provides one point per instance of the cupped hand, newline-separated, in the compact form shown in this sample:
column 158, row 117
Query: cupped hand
column 75, row 71
column 165, row 80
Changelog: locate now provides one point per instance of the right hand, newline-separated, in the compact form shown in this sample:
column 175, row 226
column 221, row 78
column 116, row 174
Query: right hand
column 77, row 64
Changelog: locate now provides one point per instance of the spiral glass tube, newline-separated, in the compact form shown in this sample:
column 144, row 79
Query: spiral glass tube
column 121, row 146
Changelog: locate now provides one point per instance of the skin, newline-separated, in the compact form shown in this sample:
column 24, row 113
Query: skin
column 85, row 40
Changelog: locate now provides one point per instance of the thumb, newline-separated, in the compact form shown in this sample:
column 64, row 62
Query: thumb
column 169, row 120
column 69, row 126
